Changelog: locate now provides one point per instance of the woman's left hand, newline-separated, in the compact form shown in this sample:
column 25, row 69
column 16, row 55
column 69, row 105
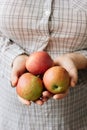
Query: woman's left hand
column 72, row 63
column 68, row 63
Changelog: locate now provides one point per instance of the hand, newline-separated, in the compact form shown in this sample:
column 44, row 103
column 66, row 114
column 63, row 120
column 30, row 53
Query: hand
column 66, row 62
column 18, row 68
column 72, row 63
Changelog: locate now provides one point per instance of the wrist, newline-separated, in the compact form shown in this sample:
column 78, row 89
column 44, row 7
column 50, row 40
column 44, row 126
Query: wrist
column 78, row 59
column 20, row 58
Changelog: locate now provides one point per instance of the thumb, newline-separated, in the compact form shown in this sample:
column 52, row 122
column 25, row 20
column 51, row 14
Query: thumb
column 14, row 78
column 74, row 76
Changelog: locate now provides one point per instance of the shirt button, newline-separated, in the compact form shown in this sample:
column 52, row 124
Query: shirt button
column 47, row 13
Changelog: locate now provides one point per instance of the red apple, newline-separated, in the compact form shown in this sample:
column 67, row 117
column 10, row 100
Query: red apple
column 56, row 80
column 29, row 87
column 39, row 62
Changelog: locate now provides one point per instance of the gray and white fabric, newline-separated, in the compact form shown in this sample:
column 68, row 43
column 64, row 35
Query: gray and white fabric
column 58, row 27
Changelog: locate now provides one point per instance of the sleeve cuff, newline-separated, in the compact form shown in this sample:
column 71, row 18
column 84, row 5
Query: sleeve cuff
column 9, row 51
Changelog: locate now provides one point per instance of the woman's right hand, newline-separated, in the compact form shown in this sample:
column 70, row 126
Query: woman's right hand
column 18, row 69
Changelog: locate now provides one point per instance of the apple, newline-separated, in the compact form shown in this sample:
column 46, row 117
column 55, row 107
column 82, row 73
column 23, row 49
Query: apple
column 29, row 86
column 38, row 62
column 56, row 79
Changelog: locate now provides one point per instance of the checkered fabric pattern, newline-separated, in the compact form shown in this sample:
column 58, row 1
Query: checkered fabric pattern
column 58, row 27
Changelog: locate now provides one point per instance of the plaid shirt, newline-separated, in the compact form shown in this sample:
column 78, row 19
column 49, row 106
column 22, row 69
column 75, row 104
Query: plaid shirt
column 58, row 27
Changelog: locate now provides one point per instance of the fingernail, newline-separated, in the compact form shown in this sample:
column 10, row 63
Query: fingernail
column 28, row 103
column 39, row 102
column 14, row 81
column 55, row 97
column 11, row 84
column 73, row 83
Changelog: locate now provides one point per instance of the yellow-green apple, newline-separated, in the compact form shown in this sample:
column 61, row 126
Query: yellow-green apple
column 29, row 86
column 56, row 79
column 38, row 62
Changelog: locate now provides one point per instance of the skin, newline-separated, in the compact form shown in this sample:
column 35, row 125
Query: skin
column 69, row 61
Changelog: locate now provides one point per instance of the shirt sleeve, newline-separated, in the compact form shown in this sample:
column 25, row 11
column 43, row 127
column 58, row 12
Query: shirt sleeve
column 9, row 50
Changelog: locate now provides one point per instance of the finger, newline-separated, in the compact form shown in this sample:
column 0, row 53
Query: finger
column 74, row 76
column 15, row 75
column 45, row 99
column 23, row 101
column 60, row 96
column 47, row 94
column 14, row 78
column 39, row 102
